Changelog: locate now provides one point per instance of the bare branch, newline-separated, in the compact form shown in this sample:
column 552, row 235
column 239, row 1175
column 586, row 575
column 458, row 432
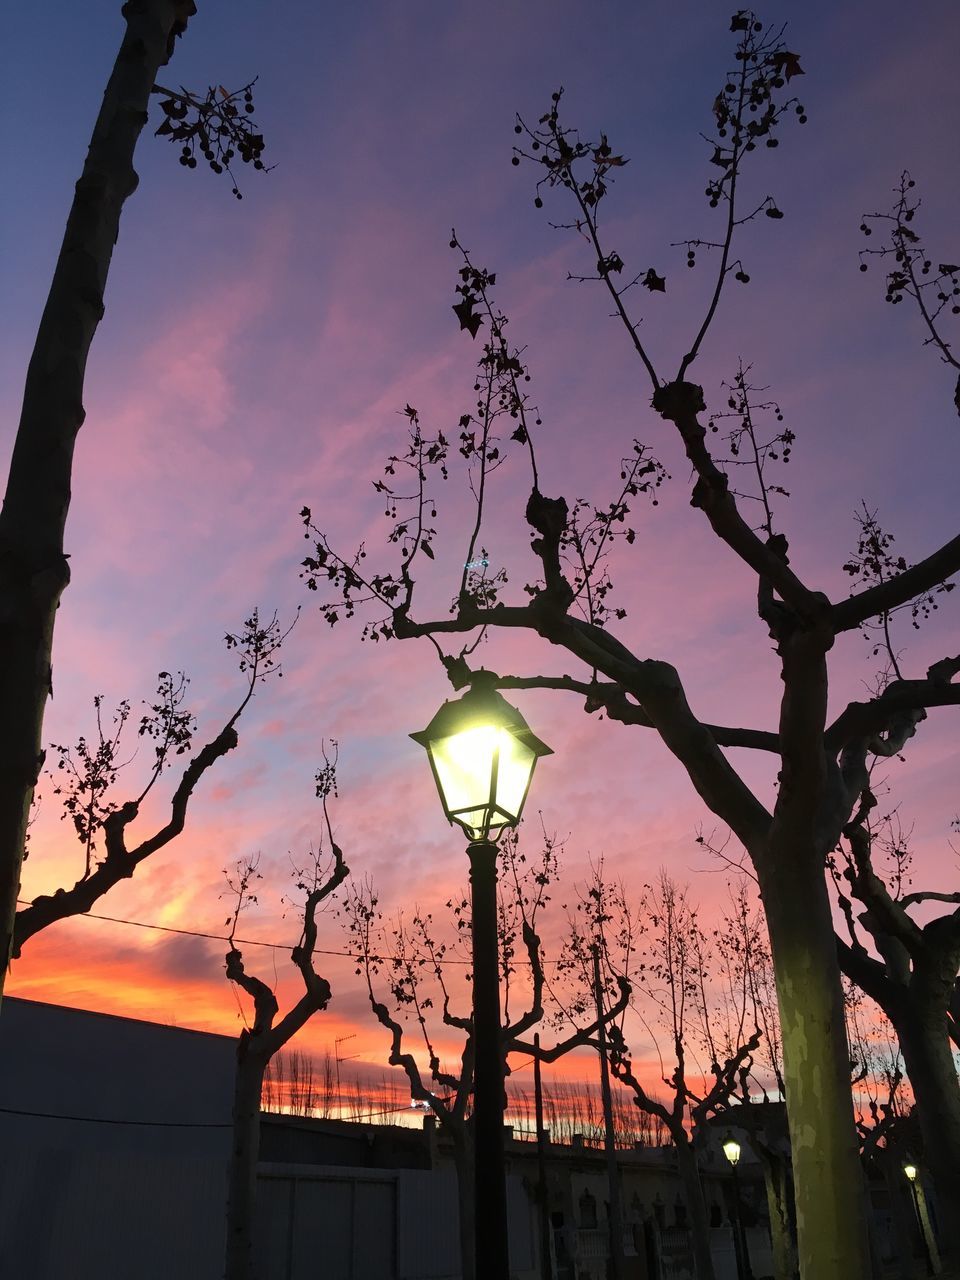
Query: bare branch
column 257, row 645
column 612, row 699
column 583, row 1035
column 120, row 863
column 908, row 900
column 265, row 1002
column 887, row 721
column 680, row 403
column 938, row 567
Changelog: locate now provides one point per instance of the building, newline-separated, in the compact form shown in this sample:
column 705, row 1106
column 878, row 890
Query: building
column 116, row 1136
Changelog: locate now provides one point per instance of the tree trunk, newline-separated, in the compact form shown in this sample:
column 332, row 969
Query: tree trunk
column 699, row 1221
column 831, row 1224
column 927, row 1056
column 242, row 1186
column 776, row 1181
column 33, row 567
column 463, row 1162
column 876, row 1260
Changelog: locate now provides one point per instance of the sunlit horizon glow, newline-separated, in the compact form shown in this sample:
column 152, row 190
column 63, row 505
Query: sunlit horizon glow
column 257, row 357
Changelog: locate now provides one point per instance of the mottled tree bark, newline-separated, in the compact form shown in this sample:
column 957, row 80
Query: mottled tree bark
column 831, row 1227
column 33, row 566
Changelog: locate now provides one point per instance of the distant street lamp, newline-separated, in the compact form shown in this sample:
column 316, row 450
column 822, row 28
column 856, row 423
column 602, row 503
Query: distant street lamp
column 483, row 754
column 731, row 1149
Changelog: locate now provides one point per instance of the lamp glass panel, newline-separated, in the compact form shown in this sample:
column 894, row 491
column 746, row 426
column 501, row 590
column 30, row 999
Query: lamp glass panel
column 513, row 775
column 464, row 763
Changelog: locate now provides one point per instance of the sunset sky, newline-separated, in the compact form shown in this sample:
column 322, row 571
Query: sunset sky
column 256, row 356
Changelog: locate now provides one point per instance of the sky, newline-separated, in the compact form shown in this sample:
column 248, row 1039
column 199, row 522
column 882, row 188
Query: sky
column 256, row 357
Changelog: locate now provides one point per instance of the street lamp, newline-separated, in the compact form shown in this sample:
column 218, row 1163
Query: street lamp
column 731, row 1149
column 483, row 754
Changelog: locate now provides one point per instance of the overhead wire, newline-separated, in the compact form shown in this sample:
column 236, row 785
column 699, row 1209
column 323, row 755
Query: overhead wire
column 216, row 937
column 258, row 942
column 185, row 1124
column 158, row 1124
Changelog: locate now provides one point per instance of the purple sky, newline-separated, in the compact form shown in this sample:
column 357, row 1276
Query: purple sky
column 256, row 356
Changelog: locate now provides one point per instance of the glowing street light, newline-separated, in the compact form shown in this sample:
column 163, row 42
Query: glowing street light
column 483, row 754
column 731, row 1149
column 911, row 1171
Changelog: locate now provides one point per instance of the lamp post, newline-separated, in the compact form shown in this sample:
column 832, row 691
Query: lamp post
column 483, row 754
column 731, row 1149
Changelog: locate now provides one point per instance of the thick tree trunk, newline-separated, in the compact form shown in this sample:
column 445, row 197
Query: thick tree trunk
column 696, row 1205
column 33, row 567
column 242, row 1184
column 927, row 1056
column 776, row 1181
column 831, row 1224
column 463, row 1163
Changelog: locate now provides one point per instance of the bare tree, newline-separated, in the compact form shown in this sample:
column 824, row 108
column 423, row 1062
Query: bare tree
column 821, row 766
column 301, row 1084
column 85, row 776
column 909, row 966
column 34, row 570
column 295, row 1084
column 263, row 1038
column 576, row 1107
column 663, row 952
column 414, row 962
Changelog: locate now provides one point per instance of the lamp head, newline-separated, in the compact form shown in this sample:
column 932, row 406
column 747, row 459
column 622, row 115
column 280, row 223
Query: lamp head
column 731, row 1149
column 482, row 753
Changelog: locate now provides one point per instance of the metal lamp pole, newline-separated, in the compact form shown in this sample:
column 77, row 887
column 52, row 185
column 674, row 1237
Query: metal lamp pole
column 743, row 1254
column 923, row 1219
column 490, row 1194
column 731, row 1149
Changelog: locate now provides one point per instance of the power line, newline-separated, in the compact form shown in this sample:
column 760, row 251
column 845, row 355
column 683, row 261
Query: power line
column 196, row 933
column 180, row 1124
column 367, row 1115
column 155, row 1124
column 256, row 942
